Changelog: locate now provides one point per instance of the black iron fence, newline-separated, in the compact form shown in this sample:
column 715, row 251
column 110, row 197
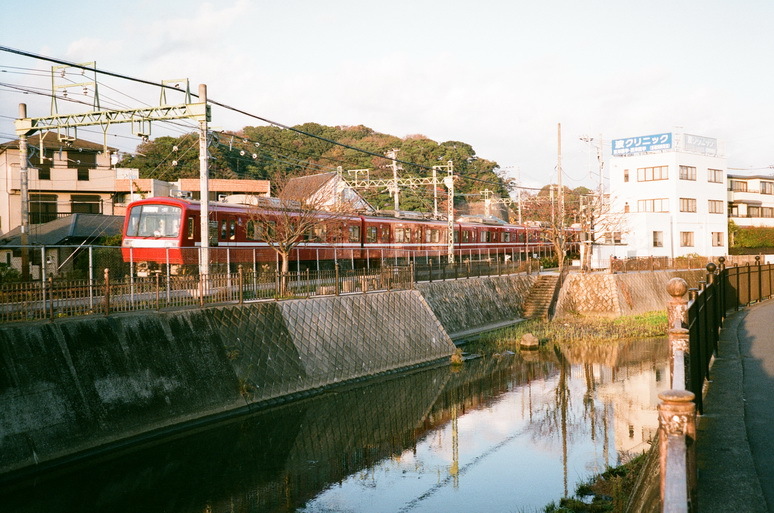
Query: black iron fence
column 694, row 330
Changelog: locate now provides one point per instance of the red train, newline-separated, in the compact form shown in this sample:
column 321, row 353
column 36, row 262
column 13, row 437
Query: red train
column 167, row 230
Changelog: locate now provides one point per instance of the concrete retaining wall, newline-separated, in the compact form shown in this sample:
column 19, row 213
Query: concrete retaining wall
column 463, row 306
column 73, row 386
column 614, row 295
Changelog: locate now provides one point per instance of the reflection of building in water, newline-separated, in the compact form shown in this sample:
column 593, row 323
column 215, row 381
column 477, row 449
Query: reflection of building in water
column 632, row 388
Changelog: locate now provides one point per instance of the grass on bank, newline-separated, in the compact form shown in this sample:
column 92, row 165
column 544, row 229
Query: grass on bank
column 576, row 329
column 607, row 492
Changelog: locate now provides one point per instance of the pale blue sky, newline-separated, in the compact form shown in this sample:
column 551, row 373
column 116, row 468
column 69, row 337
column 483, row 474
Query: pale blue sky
column 499, row 74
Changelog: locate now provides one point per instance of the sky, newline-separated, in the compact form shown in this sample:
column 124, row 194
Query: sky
column 500, row 75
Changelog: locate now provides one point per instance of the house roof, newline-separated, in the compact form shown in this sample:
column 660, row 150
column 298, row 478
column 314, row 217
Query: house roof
column 303, row 187
column 68, row 229
column 50, row 140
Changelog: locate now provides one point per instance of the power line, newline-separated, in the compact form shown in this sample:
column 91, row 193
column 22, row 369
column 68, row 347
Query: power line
column 228, row 107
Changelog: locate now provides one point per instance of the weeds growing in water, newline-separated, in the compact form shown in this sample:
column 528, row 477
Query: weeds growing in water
column 609, row 491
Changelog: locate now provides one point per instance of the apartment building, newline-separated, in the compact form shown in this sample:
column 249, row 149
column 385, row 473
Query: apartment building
column 751, row 200
column 78, row 177
column 64, row 177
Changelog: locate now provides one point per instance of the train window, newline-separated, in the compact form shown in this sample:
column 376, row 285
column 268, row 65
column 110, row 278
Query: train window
column 223, row 229
column 371, row 234
column 250, row 232
column 484, row 236
column 435, row 235
column 354, row 234
column 232, row 229
column 154, row 221
column 191, row 227
column 506, row 236
column 399, row 234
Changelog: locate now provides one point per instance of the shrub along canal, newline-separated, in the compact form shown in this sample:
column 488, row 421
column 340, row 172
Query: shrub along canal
column 502, row 433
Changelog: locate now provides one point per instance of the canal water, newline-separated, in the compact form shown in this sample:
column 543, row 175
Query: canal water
column 501, row 433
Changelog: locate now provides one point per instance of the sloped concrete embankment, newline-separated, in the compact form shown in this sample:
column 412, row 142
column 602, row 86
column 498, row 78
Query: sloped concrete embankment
column 614, row 295
column 73, row 387
column 466, row 307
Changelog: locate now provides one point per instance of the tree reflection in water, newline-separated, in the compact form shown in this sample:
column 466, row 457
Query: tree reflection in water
column 498, row 434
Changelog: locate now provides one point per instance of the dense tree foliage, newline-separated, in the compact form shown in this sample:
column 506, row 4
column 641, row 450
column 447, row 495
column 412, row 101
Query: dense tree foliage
column 265, row 152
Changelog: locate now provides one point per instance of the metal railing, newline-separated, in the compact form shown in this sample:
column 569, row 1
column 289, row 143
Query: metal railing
column 51, row 299
column 694, row 330
column 652, row 263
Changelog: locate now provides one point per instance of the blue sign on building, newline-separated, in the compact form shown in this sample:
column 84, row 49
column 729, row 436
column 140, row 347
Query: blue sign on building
column 642, row 144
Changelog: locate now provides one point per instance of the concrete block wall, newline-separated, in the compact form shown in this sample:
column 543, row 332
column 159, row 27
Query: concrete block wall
column 73, row 386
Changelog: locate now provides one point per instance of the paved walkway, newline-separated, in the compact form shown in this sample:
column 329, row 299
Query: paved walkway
column 735, row 457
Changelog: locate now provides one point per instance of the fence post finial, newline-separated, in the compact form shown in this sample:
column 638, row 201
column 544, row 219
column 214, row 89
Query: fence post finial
column 677, row 306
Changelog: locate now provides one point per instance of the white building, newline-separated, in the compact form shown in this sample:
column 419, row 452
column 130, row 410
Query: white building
column 751, row 200
column 668, row 198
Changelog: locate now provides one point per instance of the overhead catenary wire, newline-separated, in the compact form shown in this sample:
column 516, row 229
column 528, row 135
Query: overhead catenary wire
column 209, row 100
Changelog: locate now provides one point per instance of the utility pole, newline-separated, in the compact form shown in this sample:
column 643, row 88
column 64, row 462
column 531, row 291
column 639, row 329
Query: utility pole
column 204, row 188
column 560, row 232
column 395, row 189
column 25, row 199
column 559, row 175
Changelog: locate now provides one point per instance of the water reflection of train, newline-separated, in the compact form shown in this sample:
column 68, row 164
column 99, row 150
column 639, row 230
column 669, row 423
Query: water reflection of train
column 167, row 230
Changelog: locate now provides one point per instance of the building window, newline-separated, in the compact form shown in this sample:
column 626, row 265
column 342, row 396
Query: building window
column 648, row 174
column 83, row 174
column 686, row 239
column 767, row 187
column 715, row 206
column 715, row 175
column 687, row 204
column 653, row 205
column 687, row 173
column 738, row 186
column 626, row 175
column 753, row 211
column 85, row 204
column 658, row 239
column 43, row 208
column 767, row 212
column 717, row 239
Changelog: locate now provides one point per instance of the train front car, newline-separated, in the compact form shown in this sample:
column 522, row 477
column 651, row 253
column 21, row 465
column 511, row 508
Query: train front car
column 153, row 235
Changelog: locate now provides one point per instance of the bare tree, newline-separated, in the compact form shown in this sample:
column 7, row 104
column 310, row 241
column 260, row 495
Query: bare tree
column 301, row 213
